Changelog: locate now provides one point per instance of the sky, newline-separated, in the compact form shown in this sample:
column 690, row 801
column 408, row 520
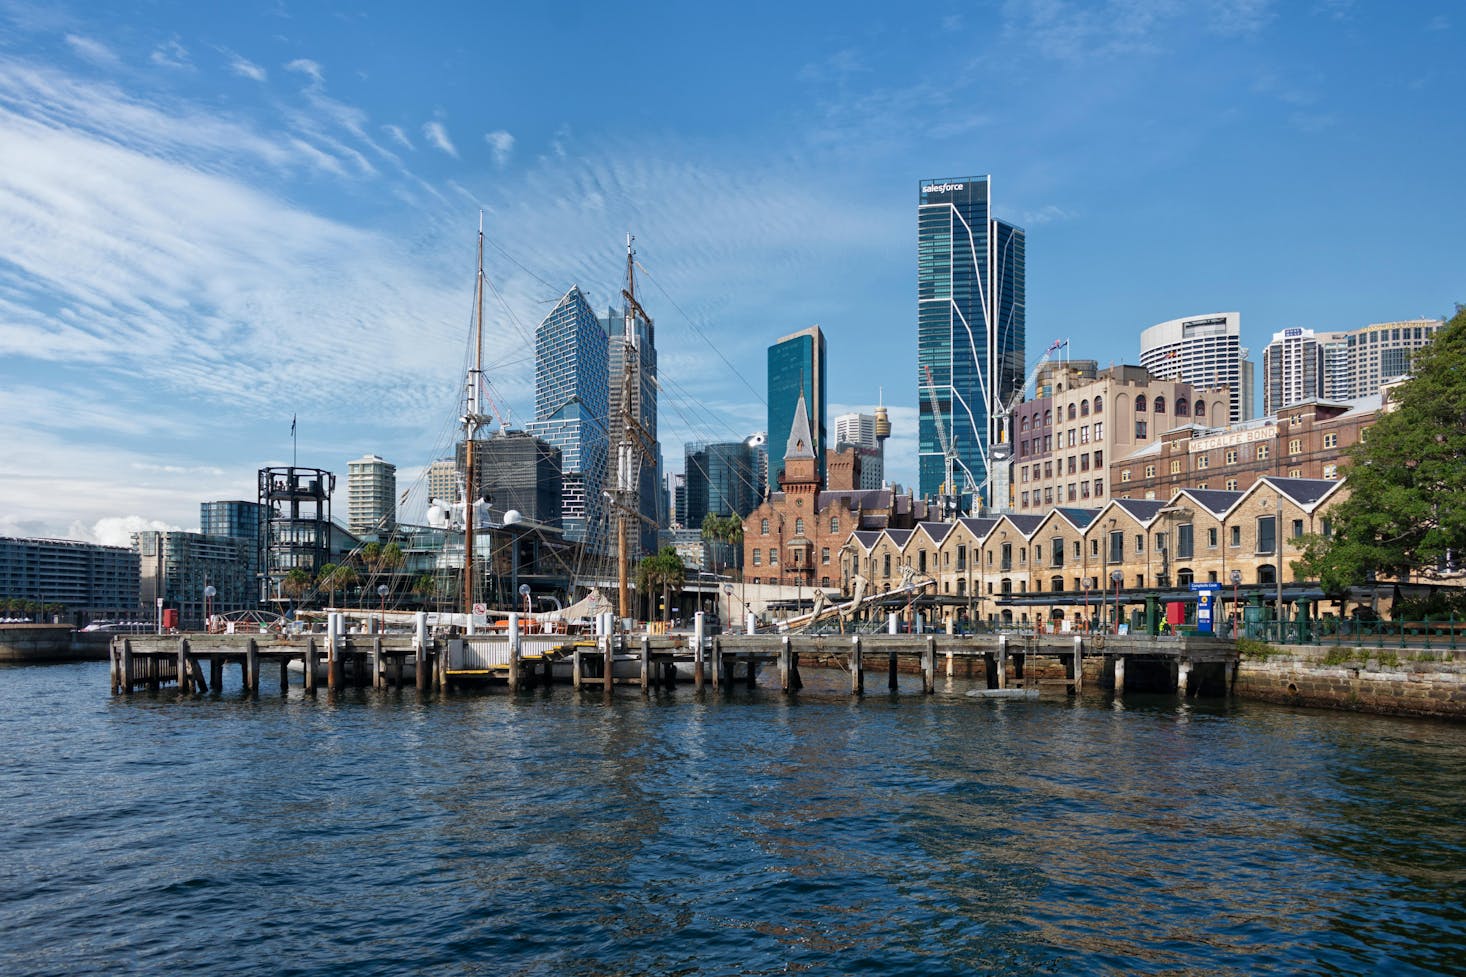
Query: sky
column 215, row 219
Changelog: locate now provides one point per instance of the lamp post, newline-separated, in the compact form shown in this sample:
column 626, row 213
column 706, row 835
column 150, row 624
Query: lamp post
column 1088, row 583
column 209, row 594
column 382, row 591
column 1236, row 580
column 1115, row 577
column 727, row 622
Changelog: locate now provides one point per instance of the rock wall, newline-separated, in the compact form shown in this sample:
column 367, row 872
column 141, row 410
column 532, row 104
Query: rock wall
column 1400, row 682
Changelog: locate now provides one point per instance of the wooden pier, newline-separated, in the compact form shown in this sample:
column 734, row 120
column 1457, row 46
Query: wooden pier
column 196, row 663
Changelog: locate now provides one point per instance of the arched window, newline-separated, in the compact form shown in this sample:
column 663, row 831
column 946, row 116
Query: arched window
column 1200, row 410
column 1140, row 403
column 1159, row 406
column 1099, row 405
column 1182, row 407
column 834, row 524
column 1025, row 422
column 1048, row 417
column 764, row 527
column 1073, row 412
column 1056, row 584
column 1084, row 408
column 799, row 527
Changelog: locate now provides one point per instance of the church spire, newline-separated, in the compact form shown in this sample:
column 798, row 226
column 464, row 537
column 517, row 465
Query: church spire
column 801, row 444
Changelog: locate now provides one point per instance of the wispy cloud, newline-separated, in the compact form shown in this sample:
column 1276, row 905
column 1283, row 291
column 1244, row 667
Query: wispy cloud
column 245, row 68
column 502, row 144
column 171, row 54
column 437, row 134
column 307, row 67
column 92, row 50
column 398, row 136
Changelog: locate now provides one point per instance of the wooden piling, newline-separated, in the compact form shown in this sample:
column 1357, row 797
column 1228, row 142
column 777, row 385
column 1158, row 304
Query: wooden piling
column 646, row 664
column 577, row 654
column 1183, row 676
column 698, row 659
column 857, row 668
column 216, row 672
column 1119, row 675
column 892, row 683
column 608, row 661
column 114, row 664
column 1078, row 664
column 420, row 663
column 785, row 663
column 379, row 674
column 929, row 666
column 310, row 664
column 717, row 662
column 252, row 667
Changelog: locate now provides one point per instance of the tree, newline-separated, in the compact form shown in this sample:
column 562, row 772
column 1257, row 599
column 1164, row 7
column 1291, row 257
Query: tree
column 726, row 530
column 297, row 583
column 1406, row 508
column 426, row 587
column 663, row 571
column 336, row 576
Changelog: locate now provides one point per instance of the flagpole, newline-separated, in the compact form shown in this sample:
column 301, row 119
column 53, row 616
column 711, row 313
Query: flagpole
column 294, row 444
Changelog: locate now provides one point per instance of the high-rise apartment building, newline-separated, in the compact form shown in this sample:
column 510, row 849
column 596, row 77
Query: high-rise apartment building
column 796, row 366
column 971, row 323
column 178, row 566
column 1295, row 368
column 371, row 495
column 571, row 404
column 647, row 460
column 1205, row 351
column 867, row 434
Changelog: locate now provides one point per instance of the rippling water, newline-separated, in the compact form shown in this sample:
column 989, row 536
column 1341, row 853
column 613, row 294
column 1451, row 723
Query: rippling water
column 747, row 834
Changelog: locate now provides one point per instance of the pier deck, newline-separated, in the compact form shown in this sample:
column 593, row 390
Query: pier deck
column 196, row 663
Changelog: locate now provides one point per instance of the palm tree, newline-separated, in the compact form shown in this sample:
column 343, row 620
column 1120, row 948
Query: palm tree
column 426, row 588
column 664, row 571
column 337, row 576
column 297, row 583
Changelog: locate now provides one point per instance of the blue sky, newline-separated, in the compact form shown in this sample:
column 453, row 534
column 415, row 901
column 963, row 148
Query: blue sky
column 213, row 217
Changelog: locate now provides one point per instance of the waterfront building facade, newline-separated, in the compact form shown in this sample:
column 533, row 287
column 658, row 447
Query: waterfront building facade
column 796, row 369
column 1064, row 442
column 1310, row 440
column 176, row 567
column 1205, row 351
column 643, row 409
column 971, row 326
column 90, row 581
column 572, row 404
column 371, row 496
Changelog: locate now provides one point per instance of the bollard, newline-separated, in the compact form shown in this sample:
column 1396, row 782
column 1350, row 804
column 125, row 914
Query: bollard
column 697, row 650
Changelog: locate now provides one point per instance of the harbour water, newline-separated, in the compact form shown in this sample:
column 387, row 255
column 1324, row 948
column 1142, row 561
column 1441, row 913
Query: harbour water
column 749, row 833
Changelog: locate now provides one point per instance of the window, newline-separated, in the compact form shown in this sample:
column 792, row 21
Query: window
column 1056, row 554
column 1025, row 422
column 1295, row 446
column 1235, row 536
column 921, row 560
column 1025, row 498
column 758, row 557
column 1231, row 456
column 1263, row 450
column 1176, row 466
column 1139, row 543
column 1072, row 496
column 1295, row 473
column 886, row 565
column 1099, row 458
column 1211, row 537
column 1084, row 408
column 1099, row 430
column 1094, row 546
column 962, row 557
column 1231, row 485
column 1048, row 417
column 1071, row 464
column 1330, row 440
column 799, row 526
column 1007, row 563
column 1048, row 469
column 1330, row 471
column 1071, row 437
column 1183, row 407
column 1099, row 405
column 1125, row 475
column 1139, row 430
column 1184, row 542
column 764, row 527
column 1117, row 547
column 1084, row 462
column 1203, row 460
column 1297, row 529
column 773, row 557
column 1084, row 434
column 834, row 524
column 1140, row 404
column 1073, row 412
column 1266, row 534
column 1099, row 486
column 1150, row 471
column 1200, row 410
column 1159, row 405
column 1077, row 551
column 825, row 555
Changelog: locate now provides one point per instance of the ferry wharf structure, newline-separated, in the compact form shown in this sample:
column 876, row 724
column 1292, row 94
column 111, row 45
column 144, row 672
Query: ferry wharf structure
column 195, row 663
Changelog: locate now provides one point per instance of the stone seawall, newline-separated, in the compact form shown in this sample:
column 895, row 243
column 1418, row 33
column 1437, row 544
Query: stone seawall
column 50, row 643
column 1398, row 682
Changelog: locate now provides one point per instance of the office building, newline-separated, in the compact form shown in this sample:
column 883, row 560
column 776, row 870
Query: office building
column 796, row 368
column 1204, row 351
column 644, row 454
column 571, row 402
column 89, row 580
column 371, row 496
column 518, row 472
column 759, row 444
column 177, row 567
column 971, row 322
column 721, row 480
column 237, row 519
column 866, row 434
column 442, row 479
column 1384, row 351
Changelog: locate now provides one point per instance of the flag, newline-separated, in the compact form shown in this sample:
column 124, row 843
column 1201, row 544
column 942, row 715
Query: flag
column 292, row 425
column 1057, row 344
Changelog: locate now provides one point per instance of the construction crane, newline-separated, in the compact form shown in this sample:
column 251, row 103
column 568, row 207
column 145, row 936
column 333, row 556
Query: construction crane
column 999, row 469
column 951, row 498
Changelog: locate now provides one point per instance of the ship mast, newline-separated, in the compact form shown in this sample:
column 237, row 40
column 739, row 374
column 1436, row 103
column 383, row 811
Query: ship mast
column 472, row 420
column 632, row 441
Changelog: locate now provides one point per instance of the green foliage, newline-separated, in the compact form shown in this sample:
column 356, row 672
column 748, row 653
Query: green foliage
column 297, row 583
column 1254, row 650
column 1407, row 481
column 1340, row 655
column 1438, row 606
column 664, row 572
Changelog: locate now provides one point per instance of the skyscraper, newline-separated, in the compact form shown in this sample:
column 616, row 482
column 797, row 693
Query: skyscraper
column 1383, row 351
column 571, row 404
column 1204, row 351
column 867, row 434
column 796, row 365
column 371, row 495
column 1295, row 368
column 971, row 321
column 721, row 480
column 442, row 478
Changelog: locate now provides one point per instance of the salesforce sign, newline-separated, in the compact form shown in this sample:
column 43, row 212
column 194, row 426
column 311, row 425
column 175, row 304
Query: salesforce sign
column 943, row 187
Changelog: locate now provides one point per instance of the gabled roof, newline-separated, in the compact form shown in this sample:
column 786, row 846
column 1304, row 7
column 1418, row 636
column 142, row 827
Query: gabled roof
column 1025, row 524
column 979, row 527
column 899, row 536
column 1081, row 518
column 935, row 531
column 1154, row 448
column 1306, row 493
column 1214, row 501
column 866, row 538
column 1144, row 510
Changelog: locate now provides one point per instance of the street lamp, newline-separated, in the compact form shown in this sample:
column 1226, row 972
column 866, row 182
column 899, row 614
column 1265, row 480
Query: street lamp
column 1236, row 580
column 382, row 591
column 1088, row 583
column 209, row 594
column 728, row 592
column 1115, row 577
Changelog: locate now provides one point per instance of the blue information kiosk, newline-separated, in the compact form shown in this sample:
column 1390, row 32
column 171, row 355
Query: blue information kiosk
column 1206, row 603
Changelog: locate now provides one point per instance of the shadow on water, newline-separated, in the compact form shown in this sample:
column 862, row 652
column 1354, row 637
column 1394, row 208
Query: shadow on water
column 746, row 832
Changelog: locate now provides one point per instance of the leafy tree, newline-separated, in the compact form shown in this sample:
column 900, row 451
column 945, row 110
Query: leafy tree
column 662, row 571
column 337, row 576
column 1406, row 508
column 426, row 587
column 391, row 558
column 297, row 583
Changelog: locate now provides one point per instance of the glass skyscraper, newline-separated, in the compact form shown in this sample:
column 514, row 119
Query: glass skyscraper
column 796, row 362
column 572, row 405
column 970, row 327
column 722, row 479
